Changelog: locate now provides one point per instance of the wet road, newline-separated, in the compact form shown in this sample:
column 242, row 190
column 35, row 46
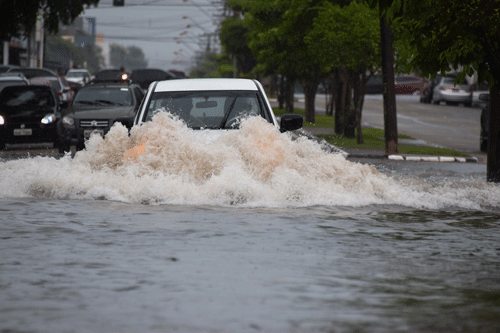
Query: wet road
column 242, row 235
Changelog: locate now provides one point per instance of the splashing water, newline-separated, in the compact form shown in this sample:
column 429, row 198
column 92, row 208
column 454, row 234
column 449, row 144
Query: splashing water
column 163, row 161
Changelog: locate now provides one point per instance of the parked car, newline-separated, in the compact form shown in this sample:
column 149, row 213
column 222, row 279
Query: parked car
column 28, row 114
column 216, row 105
column 111, row 75
column 96, row 107
column 6, row 68
column 60, row 86
column 80, row 76
column 409, row 85
column 452, row 94
column 145, row 76
column 484, row 100
column 374, row 85
column 12, row 79
column 426, row 96
column 33, row 72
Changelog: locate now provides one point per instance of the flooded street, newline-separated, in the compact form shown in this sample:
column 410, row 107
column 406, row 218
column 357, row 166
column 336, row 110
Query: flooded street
column 244, row 234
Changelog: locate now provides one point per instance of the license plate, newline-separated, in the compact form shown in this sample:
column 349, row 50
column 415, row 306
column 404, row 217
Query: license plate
column 22, row 131
column 87, row 133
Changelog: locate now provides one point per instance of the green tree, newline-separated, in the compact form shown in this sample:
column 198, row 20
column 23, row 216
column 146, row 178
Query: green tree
column 19, row 17
column 346, row 39
column 262, row 19
column 234, row 38
column 464, row 36
column 212, row 65
column 63, row 51
column 277, row 31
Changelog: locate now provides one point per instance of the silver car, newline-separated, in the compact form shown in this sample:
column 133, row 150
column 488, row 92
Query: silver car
column 446, row 91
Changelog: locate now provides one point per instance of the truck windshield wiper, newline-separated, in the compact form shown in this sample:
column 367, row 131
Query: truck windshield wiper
column 86, row 102
column 105, row 101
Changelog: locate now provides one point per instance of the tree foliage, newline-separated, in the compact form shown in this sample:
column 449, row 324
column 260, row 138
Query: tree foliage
column 62, row 51
column 19, row 17
column 212, row 65
column 458, row 35
column 346, row 37
column 234, row 38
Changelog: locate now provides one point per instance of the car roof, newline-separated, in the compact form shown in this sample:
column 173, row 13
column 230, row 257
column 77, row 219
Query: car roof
column 12, row 78
column 30, row 87
column 205, row 85
column 109, row 84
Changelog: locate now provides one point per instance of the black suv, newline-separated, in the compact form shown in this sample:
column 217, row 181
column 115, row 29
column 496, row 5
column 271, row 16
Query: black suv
column 96, row 107
column 145, row 76
column 28, row 114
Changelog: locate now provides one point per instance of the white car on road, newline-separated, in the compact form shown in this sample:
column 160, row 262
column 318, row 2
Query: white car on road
column 81, row 76
column 212, row 104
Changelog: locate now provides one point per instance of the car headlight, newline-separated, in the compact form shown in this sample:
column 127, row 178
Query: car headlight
column 2, row 121
column 49, row 118
column 68, row 121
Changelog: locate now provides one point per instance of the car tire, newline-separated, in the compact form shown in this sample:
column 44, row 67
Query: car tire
column 436, row 102
column 62, row 148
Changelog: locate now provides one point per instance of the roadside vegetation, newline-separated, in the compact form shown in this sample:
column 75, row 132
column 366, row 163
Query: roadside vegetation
column 373, row 138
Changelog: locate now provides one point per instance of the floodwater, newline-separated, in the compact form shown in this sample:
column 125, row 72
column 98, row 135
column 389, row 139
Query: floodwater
column 250, row 232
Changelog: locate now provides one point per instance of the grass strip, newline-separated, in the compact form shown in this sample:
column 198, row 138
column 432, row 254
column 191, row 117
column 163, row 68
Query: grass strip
column 373, row 138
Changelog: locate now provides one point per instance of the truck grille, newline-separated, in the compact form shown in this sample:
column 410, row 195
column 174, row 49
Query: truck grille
column 94, row 123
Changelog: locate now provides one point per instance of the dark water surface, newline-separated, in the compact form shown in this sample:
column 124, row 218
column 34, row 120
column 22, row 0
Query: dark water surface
column 98, row 266
column 251, row 233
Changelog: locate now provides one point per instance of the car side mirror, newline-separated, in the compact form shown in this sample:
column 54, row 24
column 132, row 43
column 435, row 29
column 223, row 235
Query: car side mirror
column 291, row 122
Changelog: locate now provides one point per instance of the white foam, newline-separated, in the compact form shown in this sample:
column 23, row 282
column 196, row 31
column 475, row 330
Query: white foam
column 253, row 166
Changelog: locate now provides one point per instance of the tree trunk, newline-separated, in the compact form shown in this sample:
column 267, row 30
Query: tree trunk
column 390, row 118
column 493, row 160
column 340, row 101
column 359, row 98
column 350, row 112
column 310, row 88
column 332, row 95
column 289, row 98
column 281, row 91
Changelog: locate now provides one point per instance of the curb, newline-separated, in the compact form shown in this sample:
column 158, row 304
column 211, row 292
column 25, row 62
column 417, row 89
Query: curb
column 410, row 158
column 446, row 159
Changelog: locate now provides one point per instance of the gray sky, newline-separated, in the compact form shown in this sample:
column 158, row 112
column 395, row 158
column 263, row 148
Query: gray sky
column 169, row 32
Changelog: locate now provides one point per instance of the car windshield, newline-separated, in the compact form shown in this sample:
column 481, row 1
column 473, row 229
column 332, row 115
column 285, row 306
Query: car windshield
column 104, row 97
column 4, row 84
column 207, row 109
column 20, row 99
column 75, row 74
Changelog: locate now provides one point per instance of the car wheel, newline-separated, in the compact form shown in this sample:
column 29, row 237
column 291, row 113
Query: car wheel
column 63, row 148
column 435, row 101
column 468, row 104
column 2, row 145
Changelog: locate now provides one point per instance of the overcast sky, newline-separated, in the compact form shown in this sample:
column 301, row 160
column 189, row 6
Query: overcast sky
column 169, row 32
